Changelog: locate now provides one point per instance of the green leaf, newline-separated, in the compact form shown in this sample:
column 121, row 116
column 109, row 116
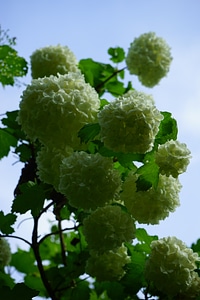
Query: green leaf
column 117, row 54
column 6, row 280
column 168, row 129
column 6, row 222
column 134, row 279
column 114, row 290
column 24, row 261
column 80, row 291
column 31, row 198
column 19, row 292
column 11, row 122
column 11, row 65
column 88, row 132
column 196, row 246
column 115, row 88
column 148, row 176
column 142, row 236
column 34, row 282
column 7, row 141
column 24, row 152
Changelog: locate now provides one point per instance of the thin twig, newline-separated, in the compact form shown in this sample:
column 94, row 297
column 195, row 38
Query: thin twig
column 15, row 237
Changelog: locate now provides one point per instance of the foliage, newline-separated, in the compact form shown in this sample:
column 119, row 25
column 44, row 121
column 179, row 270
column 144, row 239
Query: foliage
column 11, row 64
column 94, row 249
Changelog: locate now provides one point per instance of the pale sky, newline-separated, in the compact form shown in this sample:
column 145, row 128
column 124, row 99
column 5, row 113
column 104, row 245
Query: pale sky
column 89, row 28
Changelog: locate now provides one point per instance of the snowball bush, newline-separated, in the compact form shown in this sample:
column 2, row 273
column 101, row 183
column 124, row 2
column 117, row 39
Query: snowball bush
column 5, row 253
column 130, row 123
column 109, row 265
column 172, row 158
column 52, row 60
column 153, row 205
column 149, row 58
column 107, row 228
column 88, row 180
column 48, row 164
column 171, row 266
column 53, row 109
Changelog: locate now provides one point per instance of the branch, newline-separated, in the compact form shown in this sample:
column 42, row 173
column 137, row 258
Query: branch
column 100, row 85
column 62, row 243
column 35, row 247
column 16, row 237
column 56, row 232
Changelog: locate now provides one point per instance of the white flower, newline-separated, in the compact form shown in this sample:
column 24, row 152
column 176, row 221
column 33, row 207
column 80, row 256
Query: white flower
column 153, row 205
column 130, row 123
column 171, row 266
column 173, row 158
column 52, row 60
column 149, row 57
column 108, row 265
column 53, row 109
column 107, row 228
column 5, row 253
column 88, row 180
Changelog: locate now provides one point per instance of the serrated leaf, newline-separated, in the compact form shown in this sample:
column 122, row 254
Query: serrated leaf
column 7, row 141
column 6, row 222
column 31, row 198
column 11, row 65
column 117, row 54
column 11, row 123
column 88, row 132
column 168, row 129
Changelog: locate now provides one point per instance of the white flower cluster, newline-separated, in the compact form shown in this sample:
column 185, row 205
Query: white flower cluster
column 48, row 164
column 52, row 60
column 5, row 253
column 108, row 265
column 172, row 158
column 88, row 180
column 153, row 205
column 53, row 109
column 170, row 267
column 149, row 58
column 130, row 123
column 107, row 228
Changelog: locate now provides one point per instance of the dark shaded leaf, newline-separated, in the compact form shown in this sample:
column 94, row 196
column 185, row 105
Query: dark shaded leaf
column 7, row 141
column 6, row 222
column 88, row 132
column 19, row 292
column 31, row 198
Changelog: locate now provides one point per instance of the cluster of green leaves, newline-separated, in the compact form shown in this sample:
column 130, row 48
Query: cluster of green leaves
column 11, row 64
column 54, row 264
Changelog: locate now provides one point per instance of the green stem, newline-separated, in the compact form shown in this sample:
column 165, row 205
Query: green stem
column 99, row 86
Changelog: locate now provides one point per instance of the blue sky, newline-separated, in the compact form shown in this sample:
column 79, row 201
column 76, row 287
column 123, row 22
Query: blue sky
column 89, row 28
